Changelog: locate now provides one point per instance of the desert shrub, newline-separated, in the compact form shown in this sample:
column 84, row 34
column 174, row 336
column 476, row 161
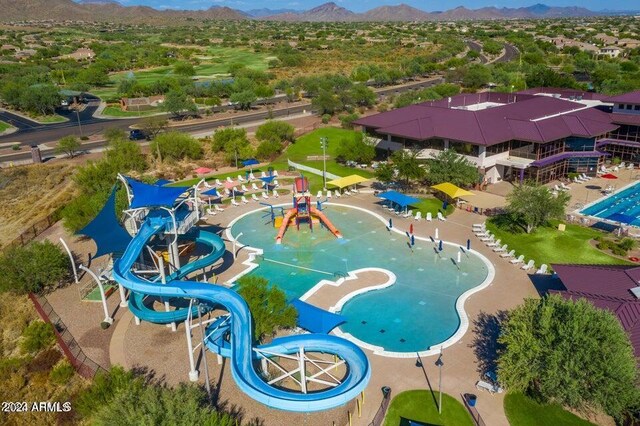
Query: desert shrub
column 33, row 268
column 37, row 336
column 326, row 118
column 61, row 373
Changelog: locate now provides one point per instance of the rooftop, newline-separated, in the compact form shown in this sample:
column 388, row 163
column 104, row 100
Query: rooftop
column 629, row 98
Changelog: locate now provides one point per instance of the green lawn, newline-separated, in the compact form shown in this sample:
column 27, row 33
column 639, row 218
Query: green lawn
column 523, row 411
column 4, row 126
column 548, row 245
column 50, row 119
column 115, row 111
column 432, row 205
column 420, row 405
column 309, row 144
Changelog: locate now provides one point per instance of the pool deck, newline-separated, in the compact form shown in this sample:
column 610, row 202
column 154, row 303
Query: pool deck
column 158, row 350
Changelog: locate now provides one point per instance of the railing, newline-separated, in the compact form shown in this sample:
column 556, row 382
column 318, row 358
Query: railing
column 475, row 414
column 84, row 365
column 34, row 230
column 378, row 419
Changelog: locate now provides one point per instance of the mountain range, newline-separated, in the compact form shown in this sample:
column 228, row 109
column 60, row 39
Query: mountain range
column 112, row 11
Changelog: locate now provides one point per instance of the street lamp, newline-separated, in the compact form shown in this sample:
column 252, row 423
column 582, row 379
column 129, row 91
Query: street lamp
column 324, row 141
column 439, row 364
column 79, row 125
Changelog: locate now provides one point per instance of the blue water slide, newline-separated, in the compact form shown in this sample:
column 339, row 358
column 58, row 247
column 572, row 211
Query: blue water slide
column 216, row 248
column 239, row 348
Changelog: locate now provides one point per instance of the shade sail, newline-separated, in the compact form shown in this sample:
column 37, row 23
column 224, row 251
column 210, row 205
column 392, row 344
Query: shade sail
column 609, row 176
column 211, row 192
column 314, row 319
column 145, row 195
column 452, row 190
column 398, row 198
column 162, row 182
column 106, row 231
column 250, row 162
column 347, row 181
column 267, row 179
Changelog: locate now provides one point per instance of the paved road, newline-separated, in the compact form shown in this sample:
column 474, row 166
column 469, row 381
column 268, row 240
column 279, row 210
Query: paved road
column 477, row 47
column 510, row 53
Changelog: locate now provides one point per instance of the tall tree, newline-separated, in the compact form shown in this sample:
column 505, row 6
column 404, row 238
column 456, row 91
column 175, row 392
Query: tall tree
column 178, row 102
column 448, row 166
column 531, row 205
column 68, row 145
column 408, row 165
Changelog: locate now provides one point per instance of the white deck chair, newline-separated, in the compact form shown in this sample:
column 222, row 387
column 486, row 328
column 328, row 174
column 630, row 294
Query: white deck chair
column 630, row 166
column 622, row 165
column 440, row 217
column 211, row 212
column 481, row 234
column 265, row 196
column 263, row 174
column 520, row 259
column 418, row 216
column 529, row 265
column 576, row 180
column 328, row 194
column 218, row 208
column 241, row 179
column 338, row 195
column 208, row 185
column 251, row 176
column 429, row 218
column 565, row 187
column 244, row 188
column 244, row 200
column 508, row 255
column 229, row 179
column 275, row 182
column 409, row 213
column 275, row 193
column 275, row 173
column 218, row 183
column 319, row 194
column 234, row 202
column 490, row 237
column 227, row 192
column 481, row 384
column 481, row 226
column 255, row 187
column 500, row 249
column 495, row 243
column 254, row 198
column 542, row 270
column 354, row 190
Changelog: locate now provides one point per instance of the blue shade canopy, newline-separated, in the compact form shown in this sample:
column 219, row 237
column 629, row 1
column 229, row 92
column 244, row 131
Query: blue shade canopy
column 162, row 182
column 314, row 319
column 267, row 179
column 106, row 231
column 250, row 162
column 211, row 192
column 145, row 195
column 398, row 198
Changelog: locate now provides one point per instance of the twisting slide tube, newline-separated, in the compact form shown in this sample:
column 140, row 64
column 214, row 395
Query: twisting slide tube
column 240, row 348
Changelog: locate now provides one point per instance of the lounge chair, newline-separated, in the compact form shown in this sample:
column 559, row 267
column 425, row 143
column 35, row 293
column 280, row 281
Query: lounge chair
column 481, row 384
column 218, row 183
column 244, row 200
column 440, row 217
column 255, row 187
column 275, row 173
column 429, row 218
column 479, row 226
column 585, row 177
column 244, row 188
column 211, row 212
column 338, row 195
column 265, row 196
column 227, row 192
column 542, row 270
column 208, row 185
column 565, row 187
column 622, row 165
column 263, row 174
column 482, row 234
column 254, row 198
column 328, row 194
column 418, row 216
column 229, row 179
column 576, row 180
column 275, row 193
column 494, row 243
column 409, row 213
column 354, row 190
column 500, row 249
column 319, row 194
column 520, row 259
column 234, row 202
column 251, row 176
column 508, row 255
column 488, row 238
column 218, row 208
column 630, row 166
column 529, row 265
column 241, row 179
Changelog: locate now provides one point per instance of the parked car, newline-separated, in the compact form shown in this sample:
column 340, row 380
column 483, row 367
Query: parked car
column 138, row 135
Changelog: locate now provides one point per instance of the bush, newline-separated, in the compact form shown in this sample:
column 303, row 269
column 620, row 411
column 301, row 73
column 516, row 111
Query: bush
column 355, row 149
column 347, row 120
column 326, row 118
column 269, row 149
column 62, row 373
column 103, row 389
column 276, row 131
column 627, row 244
column 34, row 268
column 37, row 336
column 176, row 146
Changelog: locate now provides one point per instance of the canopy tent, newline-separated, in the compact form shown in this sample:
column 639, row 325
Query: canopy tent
column 145, row 195
column 162, row 182
column 609, row 176
column 203, row 170
column 398, row 198
column 347, row 181
column 452, row 190
column 106, row 231
column 314, row 319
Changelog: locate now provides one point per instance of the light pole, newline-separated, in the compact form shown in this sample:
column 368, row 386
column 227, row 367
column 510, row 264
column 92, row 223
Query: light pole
column 324, row 141
column 439, row 364
column 79, row 125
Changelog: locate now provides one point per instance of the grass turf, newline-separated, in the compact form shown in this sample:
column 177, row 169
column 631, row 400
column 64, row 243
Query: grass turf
column 432, row 205
column 548, row 245
column 4, row 126
column 420, row 405
column 523, row 411
column 114, row 111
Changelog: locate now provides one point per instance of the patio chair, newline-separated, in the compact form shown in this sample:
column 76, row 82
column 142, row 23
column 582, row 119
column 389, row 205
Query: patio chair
column 585, row 177
column 227, row 192
column 244, row 188
column 218, row 183
column 275, row 173
column 418, row 216
column 275, row 193
column 529, row 265
column 229, row 179
column 508, row 255
column 630, row 166
column 440, row 217
column 251, row 176
column 479, row 226
column 255, row 187
column 576, row 180
column 275, row 182
column 409, row 213
column 488, row 238
column 542, row 270
column 354, row 190
column 494, row 243
column 319, row 194
column 263, row 174
column 500, row 249
column 265, row 196
column 429, row 218
column 241, row 179
column 211, row 212
column 234, row 202
column 481, row 384
column 208, row 185
column 565, row 187
column 482, row 234
column 520, row 259
column 254, row 198
column 328, row 194
column 218, row 208
column 622, row 165
column 338, row 195
column 244, row 200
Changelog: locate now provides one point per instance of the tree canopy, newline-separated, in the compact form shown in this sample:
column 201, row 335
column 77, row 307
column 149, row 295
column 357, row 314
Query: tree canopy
column 68, row 145
column 569, row 352
column 531, row 205
column 408, row 165
column 448, row 166
column 176, row 146
column 355, row 149
column 36, row 267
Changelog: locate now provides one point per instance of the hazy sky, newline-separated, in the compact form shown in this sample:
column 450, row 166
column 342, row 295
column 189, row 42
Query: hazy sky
column 361, row 5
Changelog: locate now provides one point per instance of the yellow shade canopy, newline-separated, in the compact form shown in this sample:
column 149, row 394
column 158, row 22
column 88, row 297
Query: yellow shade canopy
column 452, row 190
column 347, row 181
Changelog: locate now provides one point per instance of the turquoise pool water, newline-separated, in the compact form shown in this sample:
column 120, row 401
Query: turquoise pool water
column 623, row 206
column 418, row 311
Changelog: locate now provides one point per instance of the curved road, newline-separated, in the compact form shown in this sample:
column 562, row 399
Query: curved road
column 510, row 53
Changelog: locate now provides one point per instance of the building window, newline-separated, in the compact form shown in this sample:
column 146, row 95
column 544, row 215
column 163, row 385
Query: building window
column 497, row 149
column 465, row 148
column 523, row 149
column 636, row 107
column 629, row 106
column 580, row 144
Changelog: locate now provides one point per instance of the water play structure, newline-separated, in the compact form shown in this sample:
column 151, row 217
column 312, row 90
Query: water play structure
column 161, row 216
column 302, row 211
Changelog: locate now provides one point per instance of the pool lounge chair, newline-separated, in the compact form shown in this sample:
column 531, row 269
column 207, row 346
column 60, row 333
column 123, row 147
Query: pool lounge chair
column 542, row 270
column 328, row 194
column 529, row 265
column 263, row 174
column 218, row 183
column 275, row 173
column 319, row 194
column 227, row 192
column 429, row 218
column 418, row 216
column 254, row 198
column 234, row 202
column 241, row 179
column 630, row 166
column 244, row 188
column 409, row 213
column 488, row 238
column 500, row 249
column 440, row 217
column 565, row 187
column 251, row 176
column 481, row 384
column 211, row 212
column 520, row 259
column 275, row 193
column 508, row 255
column 275, row 182
column 338, row 195
column 265, row 196
column 255, row 187
column 229, row 179
column 585, row 177
column 244, row 200
column 218, row 208
column 208, row 185
column 481, row 234
column 576, row 180
column 479, row 226
column 494, row 243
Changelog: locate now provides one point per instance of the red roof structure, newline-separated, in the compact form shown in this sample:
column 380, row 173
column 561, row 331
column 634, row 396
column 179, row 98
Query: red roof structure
column 606, row 287
column 625, row 98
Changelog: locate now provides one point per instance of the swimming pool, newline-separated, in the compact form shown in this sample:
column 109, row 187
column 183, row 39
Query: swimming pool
column 623, row 206
column 415, row 313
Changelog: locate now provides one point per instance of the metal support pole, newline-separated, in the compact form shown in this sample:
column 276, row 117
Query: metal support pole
column 204, row 354
column 107, row 317
column 193, row 373
column 123, row 296
column 303, row 374
column 73, row 262
column 234, row 244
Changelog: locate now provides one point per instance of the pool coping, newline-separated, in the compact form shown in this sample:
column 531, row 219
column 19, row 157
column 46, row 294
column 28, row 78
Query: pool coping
column 377, row 350
column 604, row 197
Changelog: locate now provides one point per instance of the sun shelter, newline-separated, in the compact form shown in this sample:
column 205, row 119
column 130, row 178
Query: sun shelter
column 250, row 163
column 398, row 198
column 162, row 182
column 452, row 190
column 105, row 230
column 346, row 181
column 211, row 193
column 146, row 195
column 314, row 319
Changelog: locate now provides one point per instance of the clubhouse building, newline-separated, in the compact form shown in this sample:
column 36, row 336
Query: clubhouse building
column 541, row 134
